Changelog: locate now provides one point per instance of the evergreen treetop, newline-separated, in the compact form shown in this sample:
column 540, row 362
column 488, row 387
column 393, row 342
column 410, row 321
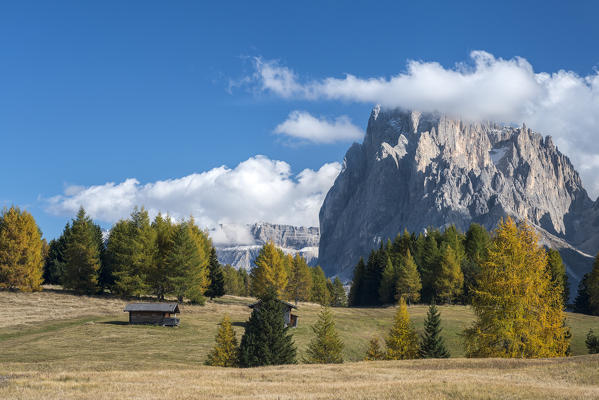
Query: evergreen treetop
column 432, row 344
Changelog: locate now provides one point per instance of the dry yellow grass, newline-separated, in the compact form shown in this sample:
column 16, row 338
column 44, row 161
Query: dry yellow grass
column 572, row 378
column 54, row 345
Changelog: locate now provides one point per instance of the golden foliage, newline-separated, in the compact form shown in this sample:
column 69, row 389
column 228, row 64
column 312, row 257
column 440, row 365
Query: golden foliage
column 519, row 312
column 21, row 261
column 226, row 350
column 402, row 341
column 270, row 271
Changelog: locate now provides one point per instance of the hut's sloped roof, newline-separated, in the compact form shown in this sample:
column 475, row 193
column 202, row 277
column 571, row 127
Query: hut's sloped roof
column 153, row 307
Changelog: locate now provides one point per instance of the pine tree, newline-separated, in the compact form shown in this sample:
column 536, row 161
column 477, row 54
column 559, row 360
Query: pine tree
column 326, row 347
column 557, row 269
column 592, row 288
column 158, row 272
column 269, row 271
column 266, row 340
column 216, row 288
column 187, row 275
column 592, row 342
column 408, row 280
column 338, row 296
column 518, row 310
column 581, row 303
column 81, row 256
column 449, row 279
column 54, row 263
column 226, row 351
column 131, row 253
column 299, row 286
column 357, row 286
column 432, row 344
column 475, row 245
column 387, row 287
column 402, row 341
column 21, row 262
column 374, row 351
column 430, row 262
column 320, row 292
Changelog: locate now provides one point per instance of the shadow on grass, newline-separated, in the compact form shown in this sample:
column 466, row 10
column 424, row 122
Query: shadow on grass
column 115, row 322
column 237, row 323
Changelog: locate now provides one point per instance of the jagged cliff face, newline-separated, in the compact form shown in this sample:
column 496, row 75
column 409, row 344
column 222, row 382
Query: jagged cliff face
column 240, row 244
column 418, row 170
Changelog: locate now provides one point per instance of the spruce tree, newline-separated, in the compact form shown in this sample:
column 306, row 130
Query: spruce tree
column 226, row 351
column 408, row 280
column 432, row 344
column 266, row 340
column 216, row 287
column 357, row 286
column 81, row 256
column 54, row 263
column 402, row 341
column 338, row 296
column 519, row 312
column 187, row 275
column 21, row 254
column 592, row 342
column 581, row 303
column 299, row 286
column 326, row 347
column 269, row 271
column 557, row 269
column 374, row 351
column 387, row 287
column 592, row 288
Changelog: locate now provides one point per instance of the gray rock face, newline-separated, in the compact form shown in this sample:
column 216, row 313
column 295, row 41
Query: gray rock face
column 241, row 243
column 416, row 170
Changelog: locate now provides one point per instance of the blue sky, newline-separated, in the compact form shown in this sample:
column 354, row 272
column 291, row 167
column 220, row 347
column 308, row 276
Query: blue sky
column 97, row 92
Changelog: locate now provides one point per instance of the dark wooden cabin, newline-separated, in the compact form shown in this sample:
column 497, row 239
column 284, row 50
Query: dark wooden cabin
column 164, row 314
column 290, row 319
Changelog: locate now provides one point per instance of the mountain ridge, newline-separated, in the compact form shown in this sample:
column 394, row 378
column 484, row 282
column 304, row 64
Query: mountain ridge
column 416, row 170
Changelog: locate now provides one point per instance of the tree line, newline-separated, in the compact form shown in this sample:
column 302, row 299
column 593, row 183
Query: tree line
column 440, row 266
column 289, row 275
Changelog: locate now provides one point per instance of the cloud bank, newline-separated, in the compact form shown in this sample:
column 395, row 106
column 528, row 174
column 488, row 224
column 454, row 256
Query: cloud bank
column 562, row 104
column 303, row 125
column 258, row 189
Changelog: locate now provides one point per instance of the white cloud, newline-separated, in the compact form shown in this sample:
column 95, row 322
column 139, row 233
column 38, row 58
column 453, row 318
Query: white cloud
column 302, row 125
column 562, row 104
column 258, row 189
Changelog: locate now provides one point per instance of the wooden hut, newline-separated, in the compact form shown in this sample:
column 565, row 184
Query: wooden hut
column 290, row 319
column 164, row 314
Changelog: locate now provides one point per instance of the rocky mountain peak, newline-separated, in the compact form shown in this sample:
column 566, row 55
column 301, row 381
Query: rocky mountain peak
column 415, row 170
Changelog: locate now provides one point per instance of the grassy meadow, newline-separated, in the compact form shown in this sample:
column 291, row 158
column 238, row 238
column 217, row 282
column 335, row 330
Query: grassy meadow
column 56, row 345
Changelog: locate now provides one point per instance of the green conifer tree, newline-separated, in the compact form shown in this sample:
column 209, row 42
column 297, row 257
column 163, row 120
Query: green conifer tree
column 592, row 288
column 388, row 287
column 374, row 351
column 338, row 296
column 357, row 286
column 81, row 256
column 581, row 303
column 402, row 341
column 432, row 344
column 326, row 347
column 320, row 292
column 54, row 263
column 186, row 273
column 216, row 287
column 266, row 340
column 557, row 269
column 408, row 280
column 226, row 351
column 592, row 342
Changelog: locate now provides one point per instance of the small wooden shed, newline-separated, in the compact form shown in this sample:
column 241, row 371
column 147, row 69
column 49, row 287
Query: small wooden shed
column 164, row 314
column 290, row 319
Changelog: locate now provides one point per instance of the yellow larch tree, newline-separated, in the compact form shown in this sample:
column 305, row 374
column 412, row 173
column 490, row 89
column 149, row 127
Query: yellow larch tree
column 518, row 310
column 402, row 341
column 269, row 271
column 21, row 261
